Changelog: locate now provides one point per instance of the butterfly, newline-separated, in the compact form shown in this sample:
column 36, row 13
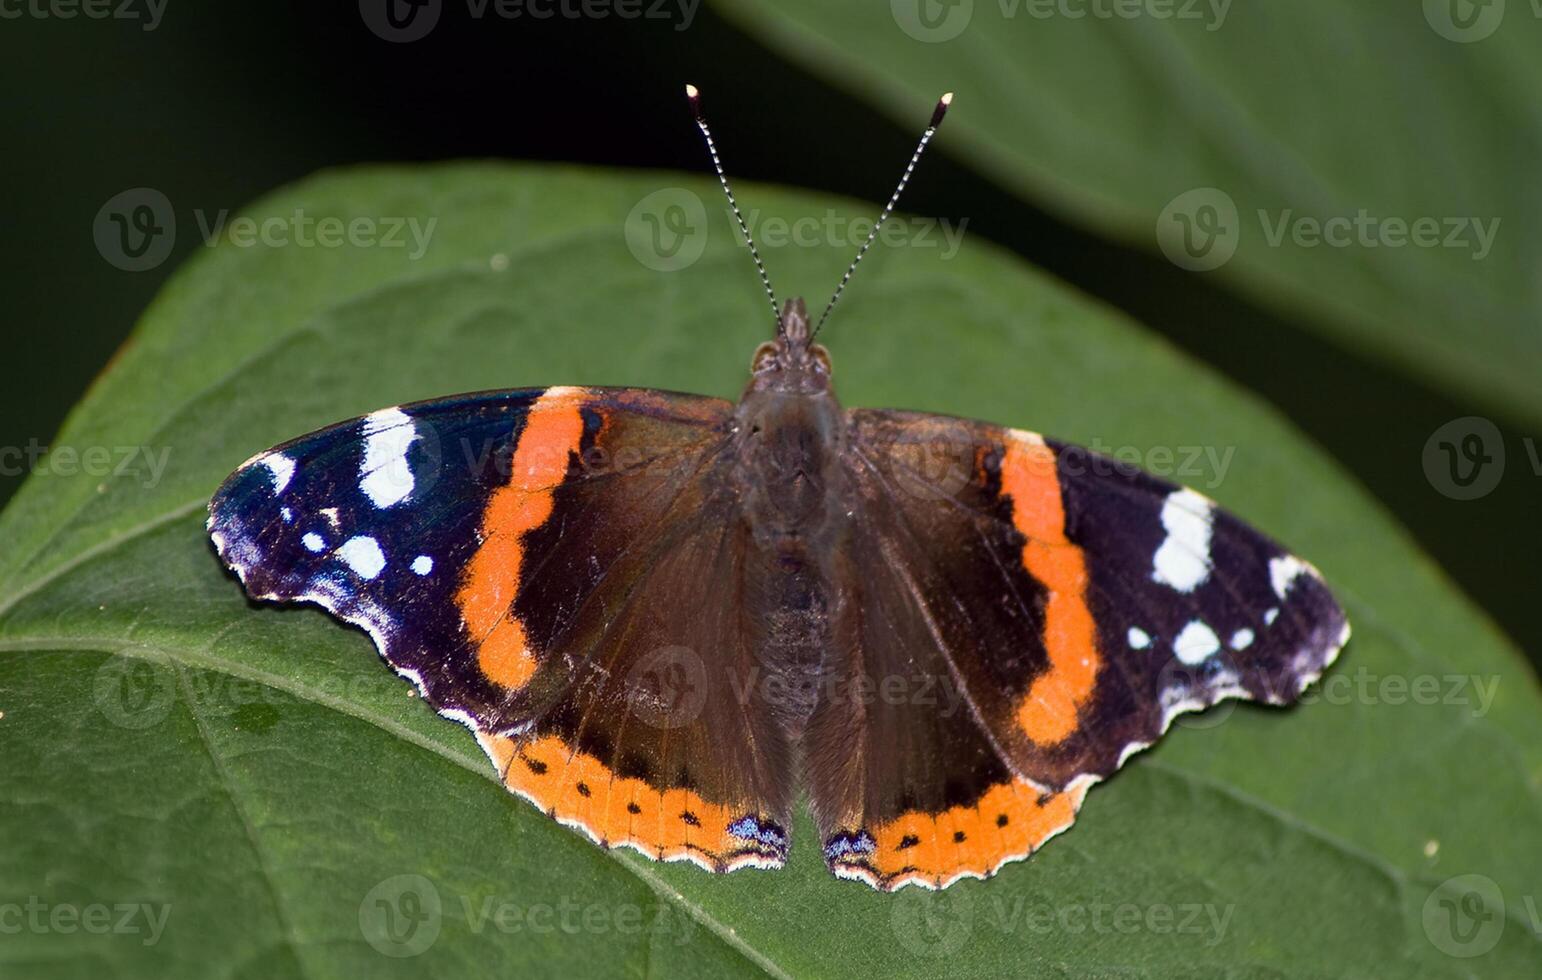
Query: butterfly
column 665, row 617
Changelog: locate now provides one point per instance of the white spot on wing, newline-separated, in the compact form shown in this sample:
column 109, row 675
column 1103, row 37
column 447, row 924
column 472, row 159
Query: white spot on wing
column 363, row 555
column 1182, row 561
column 1242, row 639
column 1270, row 616
column 385, row 476
column 313, row 541
column 1139, row 638
column 422, row 564
column 282, row 469
column 1284, row 570
column 1196, row 643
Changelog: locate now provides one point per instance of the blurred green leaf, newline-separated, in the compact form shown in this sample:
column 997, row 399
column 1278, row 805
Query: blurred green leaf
column 1247, row 137
column 255, row 776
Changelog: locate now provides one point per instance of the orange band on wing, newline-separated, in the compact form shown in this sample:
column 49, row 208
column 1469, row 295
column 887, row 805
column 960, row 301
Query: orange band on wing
column 1007, row 824
column 666, row 825
column 553, row 429
column 1047, row 713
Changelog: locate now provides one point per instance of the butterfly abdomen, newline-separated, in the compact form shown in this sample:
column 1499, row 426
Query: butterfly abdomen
column 792, row 639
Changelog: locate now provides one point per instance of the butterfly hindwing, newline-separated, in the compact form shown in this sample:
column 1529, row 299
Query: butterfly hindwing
column 1075, row 604
column 514, row 554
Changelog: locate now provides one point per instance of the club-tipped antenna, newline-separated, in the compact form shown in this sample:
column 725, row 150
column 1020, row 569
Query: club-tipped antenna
column 926, row 137
column 694, row 96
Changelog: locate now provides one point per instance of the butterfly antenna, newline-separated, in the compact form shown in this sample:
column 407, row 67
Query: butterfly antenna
column 926, row 137
column 694, row 95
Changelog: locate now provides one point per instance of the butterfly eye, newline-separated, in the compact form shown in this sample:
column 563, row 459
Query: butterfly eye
column 765, row 358
column 821, row 358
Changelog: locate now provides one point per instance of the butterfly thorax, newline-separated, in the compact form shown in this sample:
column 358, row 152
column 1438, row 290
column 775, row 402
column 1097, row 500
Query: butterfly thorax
column 791, row 432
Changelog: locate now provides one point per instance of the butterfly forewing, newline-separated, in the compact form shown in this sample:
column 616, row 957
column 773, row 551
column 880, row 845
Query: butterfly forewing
column 524, row 558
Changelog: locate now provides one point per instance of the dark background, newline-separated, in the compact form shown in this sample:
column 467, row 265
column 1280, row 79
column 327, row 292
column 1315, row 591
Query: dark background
column 224, row 102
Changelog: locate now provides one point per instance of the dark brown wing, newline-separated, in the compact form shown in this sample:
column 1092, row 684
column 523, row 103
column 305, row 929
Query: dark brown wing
column 1067, row 606
column 560, row 569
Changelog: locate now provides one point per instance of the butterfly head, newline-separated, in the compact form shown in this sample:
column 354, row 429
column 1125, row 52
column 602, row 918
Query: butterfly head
column 792, row 362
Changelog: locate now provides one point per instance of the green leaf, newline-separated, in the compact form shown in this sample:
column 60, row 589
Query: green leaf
column 1293, row 112
column 258, row 777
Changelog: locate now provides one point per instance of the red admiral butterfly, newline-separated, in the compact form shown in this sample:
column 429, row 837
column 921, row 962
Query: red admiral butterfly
column 663, row 614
